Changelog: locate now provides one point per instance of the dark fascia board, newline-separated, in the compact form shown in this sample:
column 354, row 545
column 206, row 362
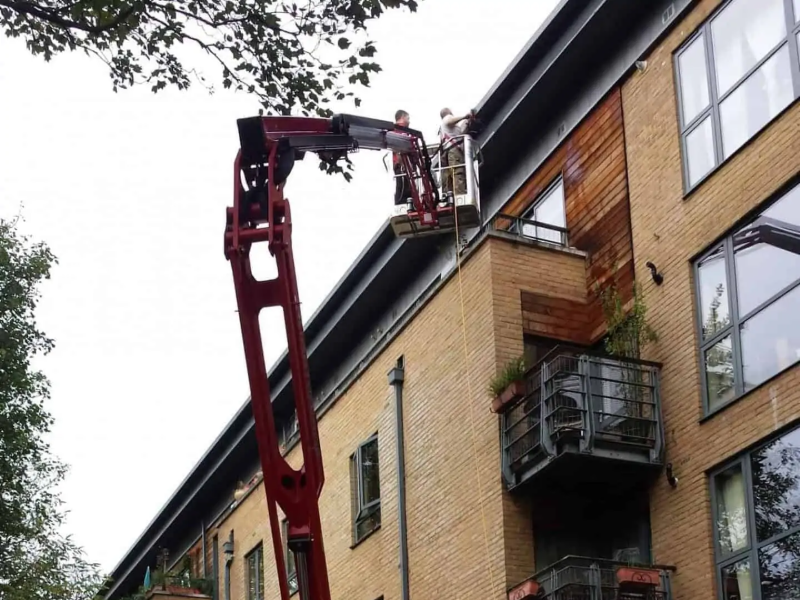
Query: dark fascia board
column 518, row 67
column 566, row 23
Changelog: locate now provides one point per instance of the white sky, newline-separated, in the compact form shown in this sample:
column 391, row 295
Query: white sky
column 130, row 189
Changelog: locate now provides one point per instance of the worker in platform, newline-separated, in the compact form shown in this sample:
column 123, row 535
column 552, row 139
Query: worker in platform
column 402, row 185
column 451, row 136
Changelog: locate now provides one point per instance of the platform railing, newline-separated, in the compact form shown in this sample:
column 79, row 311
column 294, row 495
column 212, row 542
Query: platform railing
column 585, row 578
column 440, row 169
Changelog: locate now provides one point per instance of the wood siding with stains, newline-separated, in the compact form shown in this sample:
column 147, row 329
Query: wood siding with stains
column 592, row 164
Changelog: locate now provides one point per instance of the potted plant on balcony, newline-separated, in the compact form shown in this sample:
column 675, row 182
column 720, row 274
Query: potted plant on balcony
column 508, row 385
column 628, row 331
column 632, row 579
column 628, row 334
column 183, row 584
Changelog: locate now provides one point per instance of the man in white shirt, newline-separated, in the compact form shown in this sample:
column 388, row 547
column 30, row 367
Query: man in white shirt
column 451, row 132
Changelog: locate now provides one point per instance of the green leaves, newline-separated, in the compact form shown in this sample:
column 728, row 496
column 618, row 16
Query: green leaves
column 272, row 49
column 629, row 331
column 36, row 561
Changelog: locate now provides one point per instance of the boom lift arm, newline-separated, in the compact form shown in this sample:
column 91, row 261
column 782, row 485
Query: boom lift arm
column 260, row 213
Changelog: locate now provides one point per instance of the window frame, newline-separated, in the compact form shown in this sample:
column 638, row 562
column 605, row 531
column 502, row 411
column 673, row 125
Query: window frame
column 290, row 572
column 712, row 111
column 363, row 510
column 258, row 552
column 736, row 319
column 751, row 550
column 540, row 198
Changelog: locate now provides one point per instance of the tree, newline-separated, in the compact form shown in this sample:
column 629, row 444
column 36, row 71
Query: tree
column 291, row 56
column 36, row 561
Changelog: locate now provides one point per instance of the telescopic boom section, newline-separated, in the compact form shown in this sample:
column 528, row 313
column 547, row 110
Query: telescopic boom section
column 260, row 213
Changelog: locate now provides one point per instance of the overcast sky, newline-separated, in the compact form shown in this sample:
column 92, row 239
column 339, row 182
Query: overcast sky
column 130, row 191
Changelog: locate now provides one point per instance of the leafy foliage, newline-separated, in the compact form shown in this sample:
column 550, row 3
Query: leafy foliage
column 290, row 55
column 36, row 561
column 514, row 370
column 628, row 331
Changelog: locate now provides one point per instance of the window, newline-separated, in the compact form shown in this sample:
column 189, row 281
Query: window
column 734, row 76
column 537, row 348
column 748, row 295
column 255, row 574
column 366, row 492
column 756, row 508
column 548, row 209
column 291, row 566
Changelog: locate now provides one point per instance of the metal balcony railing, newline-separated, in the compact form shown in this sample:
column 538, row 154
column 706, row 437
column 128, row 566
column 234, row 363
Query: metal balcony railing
column 526, row 228
column 581, row 578
column 594, row 404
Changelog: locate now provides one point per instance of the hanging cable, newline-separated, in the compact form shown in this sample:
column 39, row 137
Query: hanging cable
column 469, row 387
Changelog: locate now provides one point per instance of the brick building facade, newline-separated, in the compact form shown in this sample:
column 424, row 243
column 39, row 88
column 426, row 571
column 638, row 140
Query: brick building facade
column 651, row 143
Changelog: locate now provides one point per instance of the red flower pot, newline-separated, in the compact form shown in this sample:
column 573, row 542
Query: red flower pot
column 511, row 394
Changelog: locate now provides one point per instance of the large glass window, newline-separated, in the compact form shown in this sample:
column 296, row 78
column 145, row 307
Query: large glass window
column 735, row 75
column 756, row 508
column 548, row 209
column 749, row 298
column 366, row 489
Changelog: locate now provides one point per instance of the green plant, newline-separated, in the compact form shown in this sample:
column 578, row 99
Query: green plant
column 514, row 370
column 628, row 332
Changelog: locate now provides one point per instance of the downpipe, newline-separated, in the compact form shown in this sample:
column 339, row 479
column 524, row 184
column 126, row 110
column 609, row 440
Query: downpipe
column 396, row 378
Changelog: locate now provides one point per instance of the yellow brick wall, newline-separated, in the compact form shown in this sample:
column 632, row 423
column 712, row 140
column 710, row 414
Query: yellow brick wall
column 446, row 475
column 669, row 231
column 553, row 273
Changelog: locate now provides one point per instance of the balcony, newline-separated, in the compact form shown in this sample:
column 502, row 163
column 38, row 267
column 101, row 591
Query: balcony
column 584, row 418
column 579, row 578
column 174, row 587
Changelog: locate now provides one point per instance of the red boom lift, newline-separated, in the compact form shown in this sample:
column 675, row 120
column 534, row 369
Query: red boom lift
column 260, row 213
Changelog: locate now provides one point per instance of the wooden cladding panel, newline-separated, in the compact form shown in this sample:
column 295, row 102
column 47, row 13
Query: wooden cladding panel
column 556, row 318
column 592, row 164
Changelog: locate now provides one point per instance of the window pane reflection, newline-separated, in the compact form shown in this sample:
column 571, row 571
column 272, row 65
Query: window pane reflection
column 719, row 373
column 786, row 210
column 767, row 254
column 700, row 151
column 551, row 211
column 737, row 583
column 714, row 293
column 776, row 486
column 756, row 101
column 369, row 457
column 694, row 79
column 731, row 510
column 771, row 340
column 744, row 33
column 780, row 569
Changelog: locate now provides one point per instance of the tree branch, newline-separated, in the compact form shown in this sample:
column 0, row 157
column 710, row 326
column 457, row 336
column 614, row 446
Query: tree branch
column 34, row 10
